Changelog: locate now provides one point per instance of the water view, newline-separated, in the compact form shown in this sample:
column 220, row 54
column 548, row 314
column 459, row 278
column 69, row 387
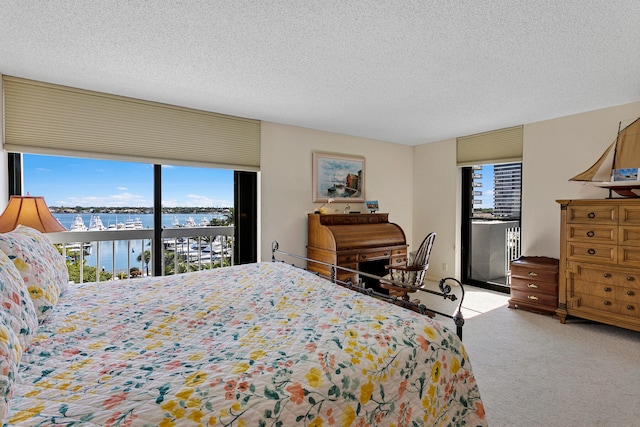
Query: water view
column 123, row 254
column 112, row 220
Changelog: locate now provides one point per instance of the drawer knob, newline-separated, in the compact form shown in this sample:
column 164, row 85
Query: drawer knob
column 607, row 303
column 630, row 278
column 591, row 251
column 591, row 215
column 532, row 297
column 630, row 307
column 386, row 254
column 348, row 258
column 630, row 293
column 606, row 275
column 532, row 274
column 590, row 234
column 364, row 257
column 607, row 289
column 532, row 285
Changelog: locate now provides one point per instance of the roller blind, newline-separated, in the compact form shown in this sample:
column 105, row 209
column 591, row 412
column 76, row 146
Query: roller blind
column 498, row 146
column 43, row 118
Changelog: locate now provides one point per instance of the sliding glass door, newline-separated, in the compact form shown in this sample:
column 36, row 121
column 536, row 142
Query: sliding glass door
column 491, row 223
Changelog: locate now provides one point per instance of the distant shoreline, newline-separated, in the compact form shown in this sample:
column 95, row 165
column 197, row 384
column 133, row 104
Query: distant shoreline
column 135, row 210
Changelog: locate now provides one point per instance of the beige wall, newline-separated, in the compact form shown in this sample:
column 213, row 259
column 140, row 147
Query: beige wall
column 436, row 196
column 285, row 175
column 553, row 151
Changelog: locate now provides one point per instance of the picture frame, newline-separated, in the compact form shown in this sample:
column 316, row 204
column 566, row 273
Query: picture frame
column 339, row 177
column 626, row 174
column 372, row 205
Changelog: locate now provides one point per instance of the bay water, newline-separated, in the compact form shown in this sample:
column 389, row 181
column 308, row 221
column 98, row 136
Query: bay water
column 119, row 253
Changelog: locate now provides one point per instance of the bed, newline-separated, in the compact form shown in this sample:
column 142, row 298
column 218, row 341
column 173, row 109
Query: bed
column 263, row 344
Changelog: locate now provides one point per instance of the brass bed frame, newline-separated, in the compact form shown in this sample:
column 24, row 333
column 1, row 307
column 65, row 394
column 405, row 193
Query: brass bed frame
column 445, row 289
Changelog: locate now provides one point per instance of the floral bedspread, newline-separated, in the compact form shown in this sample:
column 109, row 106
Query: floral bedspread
column 262, row 344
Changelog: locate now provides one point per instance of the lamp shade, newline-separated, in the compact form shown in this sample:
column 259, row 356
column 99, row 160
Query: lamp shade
column 31, row 211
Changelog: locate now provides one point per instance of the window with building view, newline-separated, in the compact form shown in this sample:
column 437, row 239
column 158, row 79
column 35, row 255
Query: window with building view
column 497, row 191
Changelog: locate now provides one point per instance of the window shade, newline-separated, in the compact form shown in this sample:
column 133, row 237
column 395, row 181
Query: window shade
column 44, row 118
column 498, row 146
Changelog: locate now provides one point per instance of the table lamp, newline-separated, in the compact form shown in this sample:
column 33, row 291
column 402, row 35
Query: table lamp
column 31, row 211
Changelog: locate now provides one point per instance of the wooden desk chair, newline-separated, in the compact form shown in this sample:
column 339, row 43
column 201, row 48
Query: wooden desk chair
column 411, row 274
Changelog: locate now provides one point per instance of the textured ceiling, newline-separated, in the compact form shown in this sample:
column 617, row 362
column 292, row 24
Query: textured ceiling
column 402, row 71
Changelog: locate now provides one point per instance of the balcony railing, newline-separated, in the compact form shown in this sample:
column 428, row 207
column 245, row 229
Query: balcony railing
column 185, row 249
column 513, row 248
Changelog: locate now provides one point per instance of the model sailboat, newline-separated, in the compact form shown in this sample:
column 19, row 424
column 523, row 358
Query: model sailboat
column 617, row 168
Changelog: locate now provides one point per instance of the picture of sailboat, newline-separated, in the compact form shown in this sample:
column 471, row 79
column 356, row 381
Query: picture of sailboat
column 617, row 168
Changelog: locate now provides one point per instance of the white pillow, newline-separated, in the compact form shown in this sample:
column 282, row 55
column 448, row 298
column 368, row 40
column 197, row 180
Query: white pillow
column 42, row 267
column 16, row 303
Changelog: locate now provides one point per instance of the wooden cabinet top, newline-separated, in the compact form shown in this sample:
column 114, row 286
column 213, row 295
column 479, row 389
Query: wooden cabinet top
column 605, row 202
column 350, row 219
column 540, row 262
column 338, row 232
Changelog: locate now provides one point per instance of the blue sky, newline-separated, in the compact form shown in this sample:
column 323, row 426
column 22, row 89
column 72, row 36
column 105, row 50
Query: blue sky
column 487, row 186
column 66, row 181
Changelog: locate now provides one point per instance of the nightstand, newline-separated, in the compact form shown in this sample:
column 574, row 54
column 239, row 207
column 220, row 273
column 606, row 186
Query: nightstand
column 534, row 284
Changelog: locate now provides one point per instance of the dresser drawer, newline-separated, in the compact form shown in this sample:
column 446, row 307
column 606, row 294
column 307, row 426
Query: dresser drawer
column 398, row 260
column 610, row 276
column 596, row 233
column 607, row 304
column 347, row 258
column 629, row 256
column 374, row 255
column 534, row 298
column 629, row 215
column 345, row 276
column 578, row 251
column 544, row 269
column 592, row 214
column 530, row 273
column 533, row 286
column 629, row 235
column 617, row 293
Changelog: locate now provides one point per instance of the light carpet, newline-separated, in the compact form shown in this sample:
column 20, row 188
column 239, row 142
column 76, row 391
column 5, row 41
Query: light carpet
column 534, row 371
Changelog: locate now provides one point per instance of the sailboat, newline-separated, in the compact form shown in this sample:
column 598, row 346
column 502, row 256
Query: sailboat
column 617, row 168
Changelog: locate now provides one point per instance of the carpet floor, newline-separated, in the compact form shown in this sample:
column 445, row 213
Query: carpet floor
column 534, row 371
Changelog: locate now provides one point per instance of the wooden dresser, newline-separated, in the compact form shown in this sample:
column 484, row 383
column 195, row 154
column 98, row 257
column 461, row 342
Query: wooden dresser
column 600, row 261
column 534, row 284
column 365, row 242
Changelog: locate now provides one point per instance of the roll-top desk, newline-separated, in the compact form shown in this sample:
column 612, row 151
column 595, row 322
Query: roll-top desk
column 600, row 261
column 365, row 242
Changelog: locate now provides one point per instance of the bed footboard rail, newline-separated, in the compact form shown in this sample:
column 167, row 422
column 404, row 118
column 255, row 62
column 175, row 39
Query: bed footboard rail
column 444, row 286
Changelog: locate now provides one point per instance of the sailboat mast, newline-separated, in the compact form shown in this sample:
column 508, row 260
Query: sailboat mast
column 615, row 149
column 615, row 152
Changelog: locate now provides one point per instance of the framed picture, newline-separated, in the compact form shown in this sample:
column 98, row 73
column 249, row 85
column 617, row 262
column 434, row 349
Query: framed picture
column 338, row 177
column 627, row 174
column 372, row 205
